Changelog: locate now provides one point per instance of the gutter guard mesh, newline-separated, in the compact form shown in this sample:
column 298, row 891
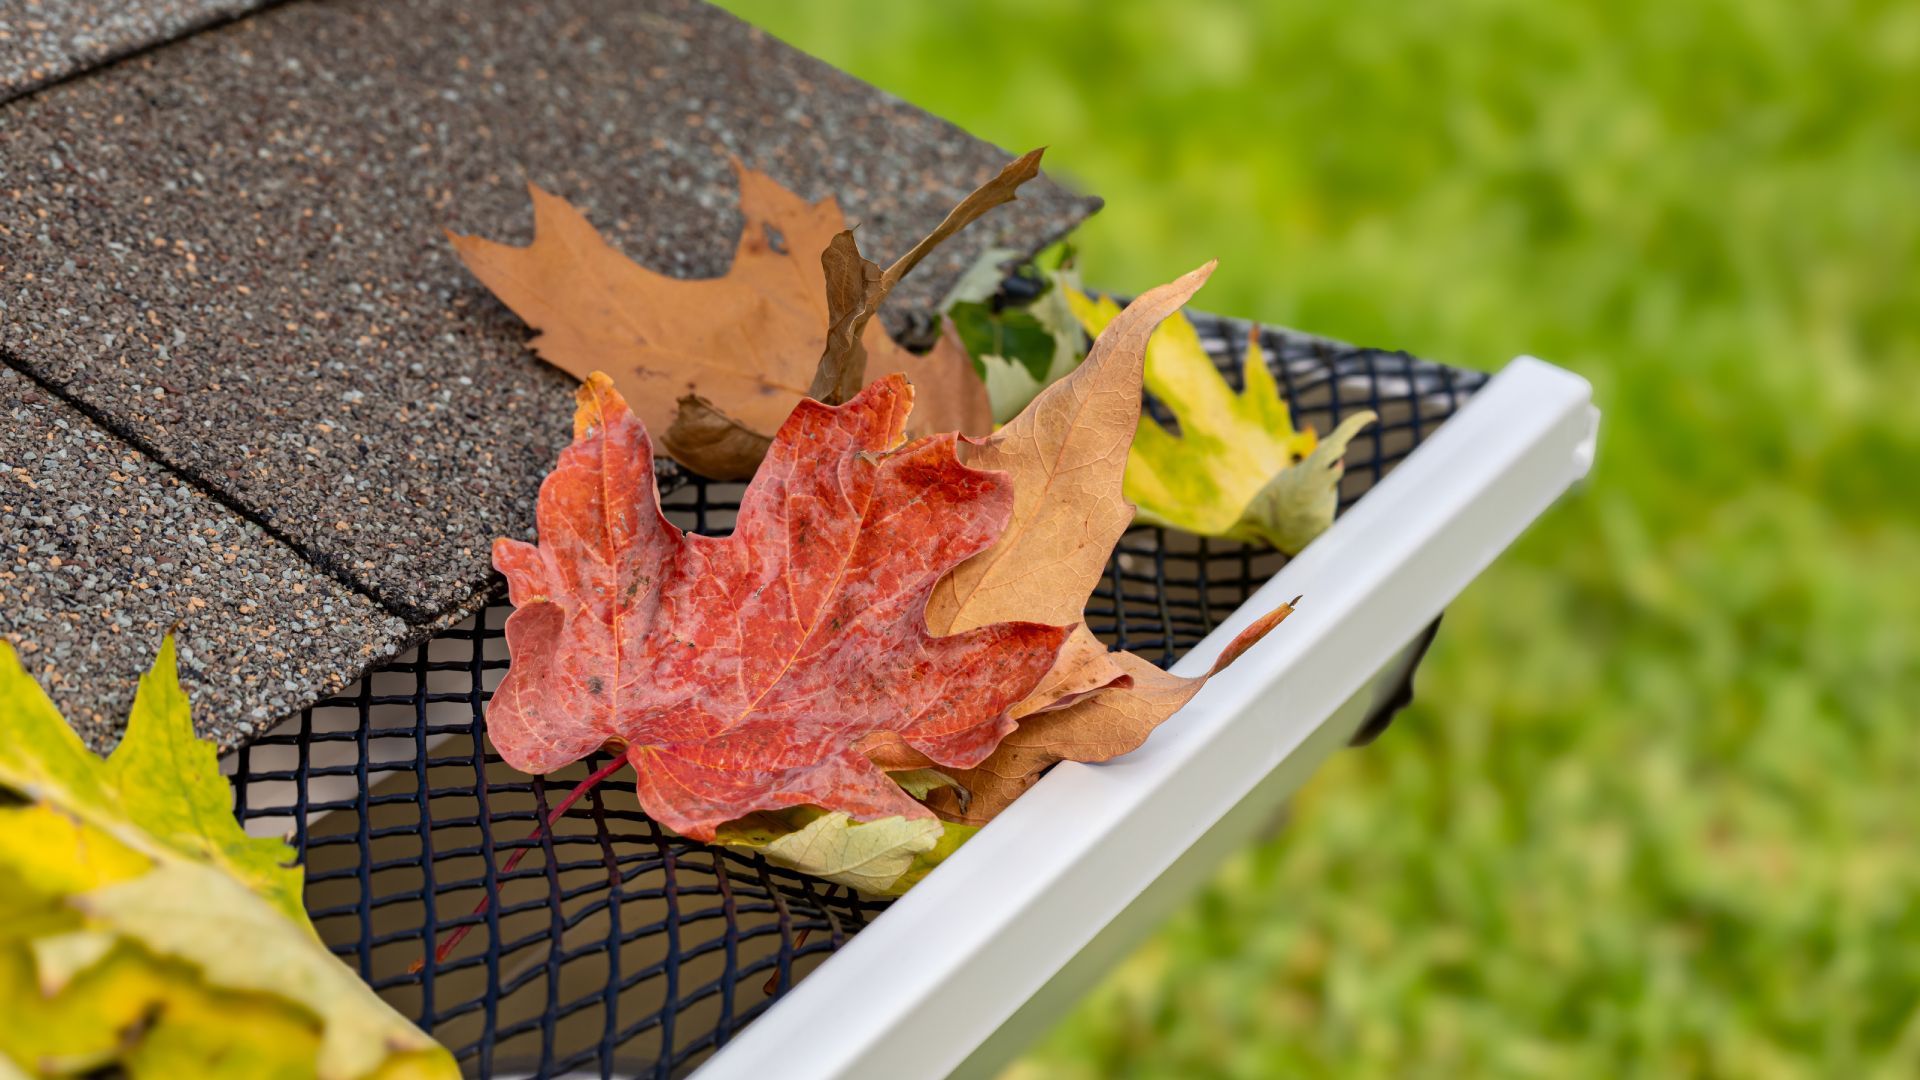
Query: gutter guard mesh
column 618, row 949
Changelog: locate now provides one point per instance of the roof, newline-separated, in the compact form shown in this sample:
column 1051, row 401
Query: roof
column 49, row 40
column 226, row 254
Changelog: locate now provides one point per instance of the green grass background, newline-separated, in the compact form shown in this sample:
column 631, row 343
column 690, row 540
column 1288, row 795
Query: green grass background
column 1655, row 812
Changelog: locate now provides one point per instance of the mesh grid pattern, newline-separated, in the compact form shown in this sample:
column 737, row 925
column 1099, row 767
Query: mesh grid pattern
column 618, row 949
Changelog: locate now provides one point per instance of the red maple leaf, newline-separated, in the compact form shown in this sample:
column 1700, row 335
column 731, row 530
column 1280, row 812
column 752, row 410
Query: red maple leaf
column 752, row 672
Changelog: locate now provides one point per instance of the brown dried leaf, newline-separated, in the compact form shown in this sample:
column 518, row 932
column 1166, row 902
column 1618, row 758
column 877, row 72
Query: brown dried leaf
column 853, row 284
column 1067, row 452
column 748, row 342
column 712, row 443
column 1097, row 728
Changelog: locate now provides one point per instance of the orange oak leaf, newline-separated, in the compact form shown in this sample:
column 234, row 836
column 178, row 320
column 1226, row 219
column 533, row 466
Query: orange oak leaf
column 751, row 672
column 749, row 341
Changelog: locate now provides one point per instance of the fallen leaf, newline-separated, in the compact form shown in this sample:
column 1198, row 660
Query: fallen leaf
column 1097, row 728
column 1225, row 472
column 170, row 782
column 751, row 672
column 1300, row 501
column 746, row 345
column 1068, row 453
column 952, row 835
column 878, row 858
column 919, row 782
column 124, row 886
column 956, row 381
column 1013, row 336
column 711, row 439
column 856, row 291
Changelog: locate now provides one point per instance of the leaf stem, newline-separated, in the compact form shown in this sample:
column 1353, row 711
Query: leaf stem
column 460, row 933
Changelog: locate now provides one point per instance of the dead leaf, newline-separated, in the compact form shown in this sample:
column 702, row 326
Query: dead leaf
column 748, row 344
column 1237, row 467
column 1100, row 727
column 125, row 885
column 1300, row 501
column 714, row 444
column 852, row 284
column 748, row 672
column 919, row 782
column 855, row 289
column 1068, row 454
column 869, row 856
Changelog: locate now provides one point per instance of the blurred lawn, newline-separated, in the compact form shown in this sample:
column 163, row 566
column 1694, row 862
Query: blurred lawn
column 1656, row 810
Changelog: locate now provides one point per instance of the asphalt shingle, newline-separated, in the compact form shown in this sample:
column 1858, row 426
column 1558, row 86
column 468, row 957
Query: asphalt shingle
column 42, row 41
column 102, row 552
column 229, row 249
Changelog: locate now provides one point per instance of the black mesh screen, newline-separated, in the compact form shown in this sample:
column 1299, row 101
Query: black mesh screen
column 617, row 949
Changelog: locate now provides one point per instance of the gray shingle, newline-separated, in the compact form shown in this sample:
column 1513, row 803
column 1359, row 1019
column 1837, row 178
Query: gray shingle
column 230, row 248
column 102, row 552
column 42, row 41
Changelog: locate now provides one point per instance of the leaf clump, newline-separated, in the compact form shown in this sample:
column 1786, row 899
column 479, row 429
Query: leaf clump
column 893, row 630
column 1069, row 453
column 879, row 608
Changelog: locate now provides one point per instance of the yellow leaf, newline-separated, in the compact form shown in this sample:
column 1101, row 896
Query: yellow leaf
column 918, row 782
column 141, row 928
column 1237, row 467
column 1299, row 502
column 878, row 858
